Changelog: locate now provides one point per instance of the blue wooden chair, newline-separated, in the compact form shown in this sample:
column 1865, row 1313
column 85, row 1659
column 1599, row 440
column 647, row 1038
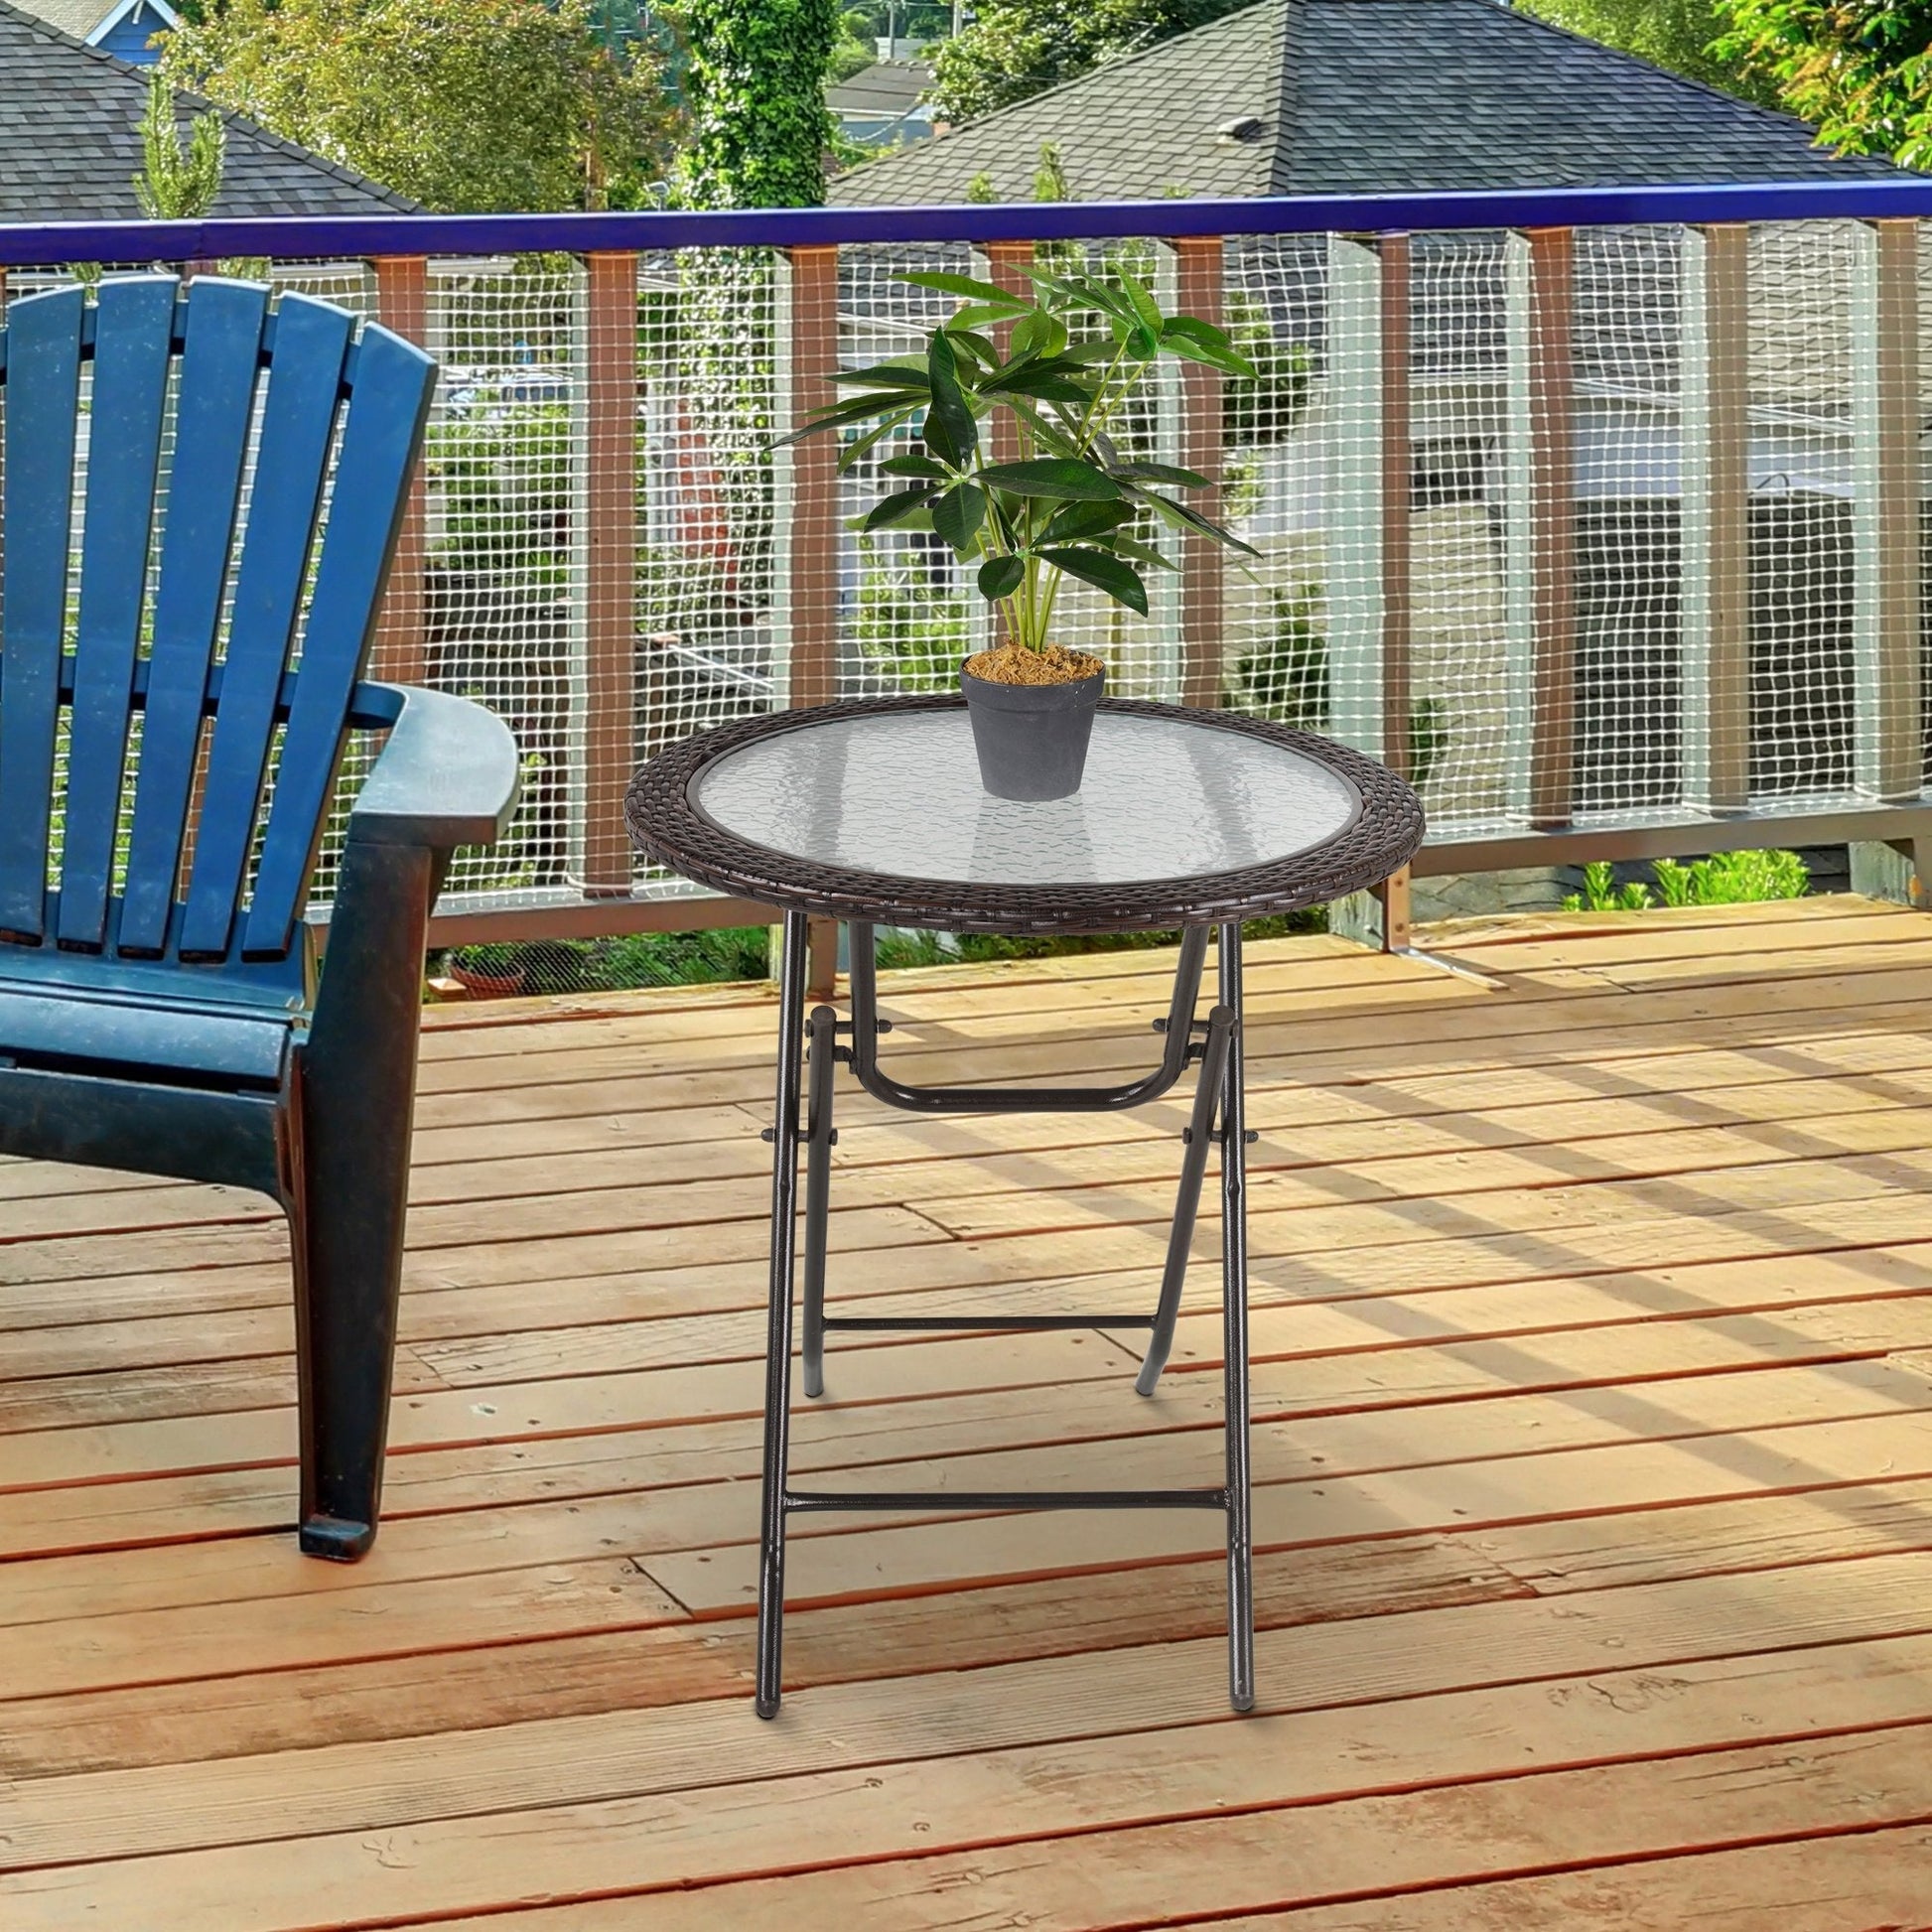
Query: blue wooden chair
column 172, row 725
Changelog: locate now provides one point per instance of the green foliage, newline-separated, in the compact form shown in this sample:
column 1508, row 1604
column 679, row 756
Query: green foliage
column 504, row 482
column 1723, row 879
column 1069, row 502
column 176, row 184
column 1733, row 878
column 1862, row 69
column 914, row 632
column 853, row 52
column 1285, row 680
column 631, row 960
column 759, row 124
column 1050, row 177
column 1601, row 893
column 1672, row 33
column 1014, row 48
column 469, row 106
column 1267, row 407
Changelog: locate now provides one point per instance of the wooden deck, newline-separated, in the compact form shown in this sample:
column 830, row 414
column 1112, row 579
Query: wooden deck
column 1594, row 1430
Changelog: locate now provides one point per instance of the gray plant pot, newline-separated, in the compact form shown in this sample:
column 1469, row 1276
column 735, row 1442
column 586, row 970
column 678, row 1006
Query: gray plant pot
column 1031, row 739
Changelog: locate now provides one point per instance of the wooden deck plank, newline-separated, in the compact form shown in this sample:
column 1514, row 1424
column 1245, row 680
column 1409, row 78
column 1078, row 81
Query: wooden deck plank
column 1594, row 1446
column 1307, row 1808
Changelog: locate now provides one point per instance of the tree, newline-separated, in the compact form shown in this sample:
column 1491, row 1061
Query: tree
column 1862, row 69
column 469, row 106
column 1672, row 33
column 1016, row 48
column 756, row 85
column 177, row 185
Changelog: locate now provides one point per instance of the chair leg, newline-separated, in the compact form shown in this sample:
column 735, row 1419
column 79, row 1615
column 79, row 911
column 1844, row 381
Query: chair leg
column 346, row 1240
column 356, row 1091
column 822, row 1034
column 1234, row 1296
column 1194, row 1170
column 778, row 1345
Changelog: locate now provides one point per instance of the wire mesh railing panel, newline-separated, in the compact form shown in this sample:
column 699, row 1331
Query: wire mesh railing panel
column 1802, row 489
column 1466, row 589
column 712, row 497
column 1627, row 366
column 907, row 610
column 1275, row 657
column 504, row 589
column 1609, row 527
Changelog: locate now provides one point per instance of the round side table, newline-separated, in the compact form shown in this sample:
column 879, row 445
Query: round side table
column 873, row 813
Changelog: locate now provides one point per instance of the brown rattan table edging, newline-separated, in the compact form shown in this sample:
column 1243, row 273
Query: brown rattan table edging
column 1314, row 819
column 668, row 826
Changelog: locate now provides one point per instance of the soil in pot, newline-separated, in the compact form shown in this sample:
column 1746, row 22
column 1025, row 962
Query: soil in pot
column 1032, row 718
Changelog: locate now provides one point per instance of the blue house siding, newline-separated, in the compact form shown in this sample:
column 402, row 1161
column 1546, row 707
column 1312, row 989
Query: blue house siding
column 127, row 40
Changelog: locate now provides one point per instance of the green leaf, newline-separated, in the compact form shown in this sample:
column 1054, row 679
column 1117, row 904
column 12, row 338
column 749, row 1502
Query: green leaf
column 1065, row 478
column 949, row 284
column 1201, row 342
column 1048, row 386
column 896, row 507
column 1048, row 432
column 958, row 514
column 1120, row 582
column 1178, row 516
column 883, row 375
column 1144, row 304
column 1000, row 577
column 949, row 426
column 840, row 415
column 913, row 465
column 1038, row 334
column 1088, row 519
column 1143, row 553
column 1165, row 472
column 851, row 454
column 979, row 315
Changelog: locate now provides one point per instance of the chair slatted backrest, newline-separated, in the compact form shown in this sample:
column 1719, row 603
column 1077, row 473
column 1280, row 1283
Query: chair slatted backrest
column 237, row 627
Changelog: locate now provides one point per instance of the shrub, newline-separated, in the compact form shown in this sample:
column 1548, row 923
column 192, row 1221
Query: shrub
column 1723, row 879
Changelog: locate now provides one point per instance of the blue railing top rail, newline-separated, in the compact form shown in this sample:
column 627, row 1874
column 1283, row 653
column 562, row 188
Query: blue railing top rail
column 314, row 238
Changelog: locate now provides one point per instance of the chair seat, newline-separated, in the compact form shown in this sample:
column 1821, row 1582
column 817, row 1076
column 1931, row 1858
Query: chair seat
column 184, row 1042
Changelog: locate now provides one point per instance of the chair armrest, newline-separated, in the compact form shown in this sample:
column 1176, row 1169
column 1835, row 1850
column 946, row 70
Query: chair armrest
column 448, row 776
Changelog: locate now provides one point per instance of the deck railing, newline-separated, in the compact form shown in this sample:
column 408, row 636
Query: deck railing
column 1600, row 512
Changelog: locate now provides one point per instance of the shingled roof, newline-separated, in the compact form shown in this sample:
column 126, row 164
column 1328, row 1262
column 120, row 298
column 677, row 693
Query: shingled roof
column 1362, row 96
column 71, row 141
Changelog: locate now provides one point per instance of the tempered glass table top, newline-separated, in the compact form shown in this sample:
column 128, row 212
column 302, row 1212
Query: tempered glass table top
column 899, row 794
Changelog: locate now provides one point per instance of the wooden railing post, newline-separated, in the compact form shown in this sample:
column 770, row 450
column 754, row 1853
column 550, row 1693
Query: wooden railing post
column 610, row 567
column 808, row 493
column 1370, row 611
column 809, row 538
column 401, row 653
column 1714, row 499
column 1887, row 738
column 1201, row 270
column 1553, row 524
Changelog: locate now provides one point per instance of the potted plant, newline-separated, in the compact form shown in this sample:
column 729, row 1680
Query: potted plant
column 1065, row 502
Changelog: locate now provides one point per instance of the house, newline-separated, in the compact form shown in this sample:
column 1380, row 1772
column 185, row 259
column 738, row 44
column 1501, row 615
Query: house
column 1360, row 96
column 123, row 28
column 70, row 140
column 884, row 105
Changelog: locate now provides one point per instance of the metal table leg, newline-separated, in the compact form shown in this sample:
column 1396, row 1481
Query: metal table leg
column 777, row 1343
column 1219, row 1096
column 821, row 1054
column 1234, row 1297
